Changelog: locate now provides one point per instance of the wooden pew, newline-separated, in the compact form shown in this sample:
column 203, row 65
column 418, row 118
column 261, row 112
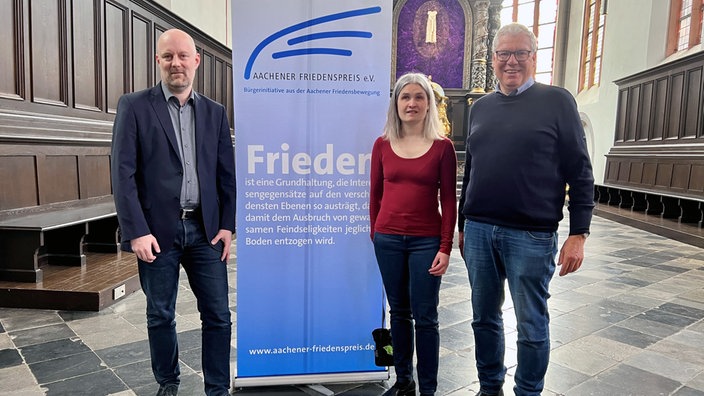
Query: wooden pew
column 57, row 236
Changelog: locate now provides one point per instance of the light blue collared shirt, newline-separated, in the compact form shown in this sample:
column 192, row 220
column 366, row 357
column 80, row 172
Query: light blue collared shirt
column 529, row 83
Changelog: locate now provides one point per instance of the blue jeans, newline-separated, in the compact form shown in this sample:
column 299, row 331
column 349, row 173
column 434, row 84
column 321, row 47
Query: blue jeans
column 207, row 276
column 526, row 259
column 413, row 295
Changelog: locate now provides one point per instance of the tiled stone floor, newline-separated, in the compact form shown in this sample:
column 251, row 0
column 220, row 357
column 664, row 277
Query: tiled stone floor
column 630, row 322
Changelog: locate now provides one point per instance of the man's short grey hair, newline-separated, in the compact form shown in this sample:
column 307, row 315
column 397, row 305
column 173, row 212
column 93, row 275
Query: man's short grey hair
column 515, row 29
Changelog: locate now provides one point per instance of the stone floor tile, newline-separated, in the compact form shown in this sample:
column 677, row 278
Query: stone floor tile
column 14, row 319
column 6, row 341
column 633, row 379
column 53, row 350
column 560, row 379
column 40, row 335
column 588, row 363
column 665, row 366
column 641, row 324
column 103, row 382
column 17, row 380
column 9, row 358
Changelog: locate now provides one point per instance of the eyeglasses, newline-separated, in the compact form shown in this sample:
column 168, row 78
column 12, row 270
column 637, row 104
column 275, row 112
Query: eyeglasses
column 520, row 55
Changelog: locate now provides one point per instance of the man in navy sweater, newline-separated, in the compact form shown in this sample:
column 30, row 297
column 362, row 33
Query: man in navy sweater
column 525, row 145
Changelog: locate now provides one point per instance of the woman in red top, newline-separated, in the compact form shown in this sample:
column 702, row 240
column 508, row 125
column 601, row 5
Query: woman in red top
column 412, row 231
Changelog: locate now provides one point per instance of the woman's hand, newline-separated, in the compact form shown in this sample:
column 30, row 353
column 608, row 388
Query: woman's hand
column 440, row 264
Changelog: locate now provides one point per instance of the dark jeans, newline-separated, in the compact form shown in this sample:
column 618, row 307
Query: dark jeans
column 207, row 276
column 526, row 259
column 413, row 295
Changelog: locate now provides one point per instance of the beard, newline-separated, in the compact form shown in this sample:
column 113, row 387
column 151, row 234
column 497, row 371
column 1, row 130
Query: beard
column 179, row 83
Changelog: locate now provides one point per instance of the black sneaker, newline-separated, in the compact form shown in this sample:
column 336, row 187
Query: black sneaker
column 168, row 390
column 408, row 389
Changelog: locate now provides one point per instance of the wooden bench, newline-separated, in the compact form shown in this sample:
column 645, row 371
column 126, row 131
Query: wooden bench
column 58, row 236
column 665, row 204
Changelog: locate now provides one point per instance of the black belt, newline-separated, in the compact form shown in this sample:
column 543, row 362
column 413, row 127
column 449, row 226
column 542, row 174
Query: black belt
column 189, row 213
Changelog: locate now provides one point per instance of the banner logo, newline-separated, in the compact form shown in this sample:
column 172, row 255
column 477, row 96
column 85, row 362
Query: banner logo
column 311, row 37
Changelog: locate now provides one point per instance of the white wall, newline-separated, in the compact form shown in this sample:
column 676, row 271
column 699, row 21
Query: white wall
column 210, row 16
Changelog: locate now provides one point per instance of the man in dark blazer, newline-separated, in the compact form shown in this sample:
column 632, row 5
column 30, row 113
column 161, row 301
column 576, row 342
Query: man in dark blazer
column 173, row 177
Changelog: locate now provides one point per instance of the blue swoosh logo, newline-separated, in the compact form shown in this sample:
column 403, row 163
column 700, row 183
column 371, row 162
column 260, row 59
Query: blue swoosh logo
column 310, row 37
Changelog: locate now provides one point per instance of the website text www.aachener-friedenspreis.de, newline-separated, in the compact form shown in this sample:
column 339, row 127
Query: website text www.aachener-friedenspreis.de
column 314, row 349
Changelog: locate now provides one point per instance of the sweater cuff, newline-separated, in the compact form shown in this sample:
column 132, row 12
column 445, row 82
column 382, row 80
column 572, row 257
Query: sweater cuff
column 580, row 219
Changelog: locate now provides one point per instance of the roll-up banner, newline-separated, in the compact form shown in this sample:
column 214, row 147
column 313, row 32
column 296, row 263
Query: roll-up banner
column 311, row 87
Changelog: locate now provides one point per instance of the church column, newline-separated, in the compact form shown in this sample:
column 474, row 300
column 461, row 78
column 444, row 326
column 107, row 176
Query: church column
column 479, row 57
column 494, row 24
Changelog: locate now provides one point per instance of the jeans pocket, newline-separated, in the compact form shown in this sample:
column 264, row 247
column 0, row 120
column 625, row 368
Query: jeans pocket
column 543, row 236
column 219, row 246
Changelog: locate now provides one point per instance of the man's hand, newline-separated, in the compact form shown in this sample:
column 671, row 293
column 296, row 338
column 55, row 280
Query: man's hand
column 571, row 254
column 226, row 237
column 144, row 247
column 461, row 244
column 440, row 264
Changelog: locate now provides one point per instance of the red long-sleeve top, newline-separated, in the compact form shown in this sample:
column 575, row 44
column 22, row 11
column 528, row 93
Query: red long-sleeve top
column 404, row 192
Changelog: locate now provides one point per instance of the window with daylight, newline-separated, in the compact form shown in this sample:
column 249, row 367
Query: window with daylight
column 592, row 44
column 685, row 29
column 541, row 16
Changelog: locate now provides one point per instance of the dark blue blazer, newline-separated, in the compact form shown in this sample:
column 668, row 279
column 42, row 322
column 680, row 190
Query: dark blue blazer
column 147, row 173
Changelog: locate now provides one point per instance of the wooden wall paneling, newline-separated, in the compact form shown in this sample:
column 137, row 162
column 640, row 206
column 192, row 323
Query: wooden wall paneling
column 693, row 103
column 632, row 116
column 636, row 173
column 49, row 59
column 645, row 114
column 18, row 177
column 11, row 59
column 680, row 177
column 206, row 66
column 659, row 106
column 650, row 170
column 624, row 172
column 117, row 63
column 86, row 54
column 675, row 106
column 57, row 177
column 198, row 79
column 158, row 30
column 142, row 53
column 696, row 180
column 219, row 81
column 621, row 116
column 228, row 92
column 92, row 175
column 663, row 175
column 612, row 171
column 63, row 66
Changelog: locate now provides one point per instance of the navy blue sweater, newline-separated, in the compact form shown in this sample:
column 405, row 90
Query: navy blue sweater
column 521, row 152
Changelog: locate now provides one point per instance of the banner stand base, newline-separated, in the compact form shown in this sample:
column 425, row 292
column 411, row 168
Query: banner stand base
column 313, row 381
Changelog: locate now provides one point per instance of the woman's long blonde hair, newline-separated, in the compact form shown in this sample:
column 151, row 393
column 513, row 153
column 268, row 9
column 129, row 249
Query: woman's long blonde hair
column 432, row 128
